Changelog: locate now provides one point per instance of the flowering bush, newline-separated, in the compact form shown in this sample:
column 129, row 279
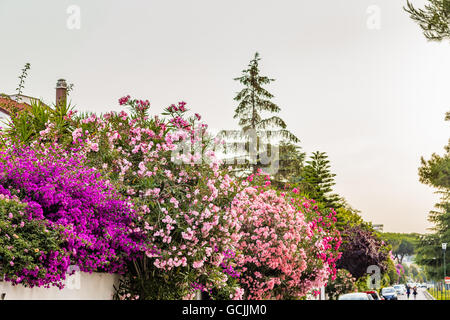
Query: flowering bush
column 30, row 252
column 285, row 251
column 181, row 204
column 343, row 283
column 362, row 248
column 91, row 220
column 176, row 221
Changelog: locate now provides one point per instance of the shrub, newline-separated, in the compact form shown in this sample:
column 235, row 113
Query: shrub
column 30, row 251
column 343, row 283
column 362, row 248
column 184, row 225
column 94, row 225
column 181, row 203
column 284, row 251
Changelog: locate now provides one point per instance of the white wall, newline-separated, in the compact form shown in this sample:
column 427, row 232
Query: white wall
column 80, row 286
column 3, row 118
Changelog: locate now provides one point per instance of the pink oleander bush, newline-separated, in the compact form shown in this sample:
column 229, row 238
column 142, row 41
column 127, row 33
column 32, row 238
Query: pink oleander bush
column 181, row 199
column 288, row 248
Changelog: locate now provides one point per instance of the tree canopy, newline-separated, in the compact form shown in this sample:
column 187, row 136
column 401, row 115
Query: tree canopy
column 435, row 173
column 262, row 135
column 433, row 19
column 317, row 174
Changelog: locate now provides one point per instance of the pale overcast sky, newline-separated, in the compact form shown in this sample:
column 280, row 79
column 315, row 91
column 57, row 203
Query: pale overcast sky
column 373, row 99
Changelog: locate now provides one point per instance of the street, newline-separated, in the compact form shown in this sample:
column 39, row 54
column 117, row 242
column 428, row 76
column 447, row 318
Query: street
column 420, row 295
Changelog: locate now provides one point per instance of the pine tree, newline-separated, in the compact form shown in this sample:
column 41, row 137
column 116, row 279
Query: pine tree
column 257, row 132
column 434, row 19
column 318, row 176
column 436, row 173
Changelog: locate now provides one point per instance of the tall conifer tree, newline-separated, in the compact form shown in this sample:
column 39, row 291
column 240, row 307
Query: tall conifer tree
column 318, row 177
column 253, row 101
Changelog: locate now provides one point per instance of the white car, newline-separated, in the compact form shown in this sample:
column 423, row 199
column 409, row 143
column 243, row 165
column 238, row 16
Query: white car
column 400, row 289
column 355, row 296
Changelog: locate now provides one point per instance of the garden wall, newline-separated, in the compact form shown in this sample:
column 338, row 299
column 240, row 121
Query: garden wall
column 80, row 286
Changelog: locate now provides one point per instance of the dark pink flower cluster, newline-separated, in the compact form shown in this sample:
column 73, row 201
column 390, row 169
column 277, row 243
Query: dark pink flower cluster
column 124, row 100
column 180, row 108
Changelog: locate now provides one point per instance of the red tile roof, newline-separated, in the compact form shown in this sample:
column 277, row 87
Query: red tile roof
column 7, row 103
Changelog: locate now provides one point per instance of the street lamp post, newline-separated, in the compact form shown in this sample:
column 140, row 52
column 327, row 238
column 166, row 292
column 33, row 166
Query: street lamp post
column 444, row 248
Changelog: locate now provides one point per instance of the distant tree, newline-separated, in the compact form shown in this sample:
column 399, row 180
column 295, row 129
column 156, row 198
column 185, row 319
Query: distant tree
column 429, row 252
column 414, row 271
column 403, row 244
column 318, row 175
column 253, row 101
column 349, row 217
column 405, row 248
column 433, row 19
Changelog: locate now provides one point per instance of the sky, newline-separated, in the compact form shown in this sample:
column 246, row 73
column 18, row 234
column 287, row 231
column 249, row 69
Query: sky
column 354, row 78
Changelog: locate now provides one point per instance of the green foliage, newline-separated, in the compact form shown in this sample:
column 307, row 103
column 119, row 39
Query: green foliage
column 344, row 283
column 318, row 176
column 430, row 256
column 362, row 283
column 348, row 217
column 24, row 241
column 254, row 99
column 436, row 173
column 22, row 78
column 433, row 19
column 403, row 244
column 291, row 163
column 26, row 125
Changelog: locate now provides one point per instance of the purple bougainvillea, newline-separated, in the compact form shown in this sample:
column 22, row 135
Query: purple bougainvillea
column 96, row 226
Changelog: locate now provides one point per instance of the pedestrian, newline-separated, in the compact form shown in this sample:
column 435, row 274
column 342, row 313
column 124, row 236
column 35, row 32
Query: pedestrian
column 408, row 291
column 415, row 292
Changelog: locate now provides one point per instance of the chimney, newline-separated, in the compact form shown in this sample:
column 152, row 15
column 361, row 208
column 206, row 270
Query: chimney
column 61, row 92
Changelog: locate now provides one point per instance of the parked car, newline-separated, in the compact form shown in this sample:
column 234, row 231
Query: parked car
column 400, row 289
column 374, row 295
column 389, row 293
column 355, row 296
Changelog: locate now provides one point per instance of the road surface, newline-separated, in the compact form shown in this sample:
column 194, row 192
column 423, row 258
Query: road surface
column 420, row 295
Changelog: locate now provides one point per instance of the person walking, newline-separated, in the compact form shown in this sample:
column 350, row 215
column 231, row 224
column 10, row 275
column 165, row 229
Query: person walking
column 408, row 291
column 415, row 292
